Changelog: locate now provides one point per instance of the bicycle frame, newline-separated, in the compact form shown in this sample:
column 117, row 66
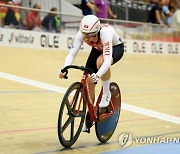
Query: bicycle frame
column 93, row 109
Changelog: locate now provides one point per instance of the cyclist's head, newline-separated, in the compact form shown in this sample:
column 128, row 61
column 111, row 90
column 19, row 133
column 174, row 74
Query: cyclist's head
column 90, row 25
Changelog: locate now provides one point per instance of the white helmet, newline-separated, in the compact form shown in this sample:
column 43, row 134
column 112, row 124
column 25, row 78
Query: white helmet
column 90, row 24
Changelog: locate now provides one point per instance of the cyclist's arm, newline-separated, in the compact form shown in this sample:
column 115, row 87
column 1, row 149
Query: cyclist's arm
column 74, row 49
column 107, row 53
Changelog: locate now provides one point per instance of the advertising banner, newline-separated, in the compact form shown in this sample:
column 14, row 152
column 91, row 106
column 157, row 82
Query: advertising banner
column 44, row 40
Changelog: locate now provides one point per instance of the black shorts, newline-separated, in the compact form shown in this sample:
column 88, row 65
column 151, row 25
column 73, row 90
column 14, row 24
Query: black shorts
column 118, row 52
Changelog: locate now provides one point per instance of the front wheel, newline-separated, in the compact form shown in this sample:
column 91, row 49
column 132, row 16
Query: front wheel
column 106, row 127
column 71, row 115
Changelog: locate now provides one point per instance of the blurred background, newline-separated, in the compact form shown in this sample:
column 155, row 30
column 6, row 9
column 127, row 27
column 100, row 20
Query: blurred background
column 129, row 18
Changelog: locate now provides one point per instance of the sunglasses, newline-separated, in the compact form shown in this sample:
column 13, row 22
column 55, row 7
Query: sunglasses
column 89, row 35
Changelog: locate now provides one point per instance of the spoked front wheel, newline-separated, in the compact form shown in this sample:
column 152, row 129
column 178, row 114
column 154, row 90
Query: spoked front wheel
column 71, row 115
column 106, row 127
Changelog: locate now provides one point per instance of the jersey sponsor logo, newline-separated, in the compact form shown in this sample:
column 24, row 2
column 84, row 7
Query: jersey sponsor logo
column 107, row 48
column 73, row 45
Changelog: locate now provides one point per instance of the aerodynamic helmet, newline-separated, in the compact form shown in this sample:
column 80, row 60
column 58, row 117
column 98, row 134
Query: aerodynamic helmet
column 90, row 25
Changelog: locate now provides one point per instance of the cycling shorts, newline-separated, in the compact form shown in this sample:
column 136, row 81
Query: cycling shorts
column 117, row 54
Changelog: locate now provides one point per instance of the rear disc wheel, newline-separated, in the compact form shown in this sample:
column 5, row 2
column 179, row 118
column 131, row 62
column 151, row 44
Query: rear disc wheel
column 106, row 127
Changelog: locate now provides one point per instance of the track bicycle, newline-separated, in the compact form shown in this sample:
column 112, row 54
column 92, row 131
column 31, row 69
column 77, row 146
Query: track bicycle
column 72, row 111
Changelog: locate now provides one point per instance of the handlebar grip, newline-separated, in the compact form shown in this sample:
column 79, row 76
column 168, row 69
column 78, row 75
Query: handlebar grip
column 65, row 71
column 65, row 77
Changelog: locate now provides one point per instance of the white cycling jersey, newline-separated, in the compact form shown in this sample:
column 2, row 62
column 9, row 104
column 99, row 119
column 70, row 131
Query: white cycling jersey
column 108, row 39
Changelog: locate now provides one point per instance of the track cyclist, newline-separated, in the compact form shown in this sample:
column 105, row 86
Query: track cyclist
column 107, row 49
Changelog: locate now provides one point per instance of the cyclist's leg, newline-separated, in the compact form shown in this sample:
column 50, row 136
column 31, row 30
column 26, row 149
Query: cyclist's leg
column 105, row 79
column 118, row 51
column 91, row 63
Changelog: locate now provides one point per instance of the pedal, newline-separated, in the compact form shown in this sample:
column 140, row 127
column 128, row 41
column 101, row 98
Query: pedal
column 87, row 124
column 87, row 130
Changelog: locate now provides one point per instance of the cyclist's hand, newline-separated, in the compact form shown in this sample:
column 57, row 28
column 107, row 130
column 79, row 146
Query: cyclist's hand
column 62, row 75
column 94, row 78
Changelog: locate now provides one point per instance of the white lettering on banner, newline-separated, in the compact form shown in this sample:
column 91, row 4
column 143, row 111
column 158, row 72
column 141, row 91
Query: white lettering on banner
column 50, row 41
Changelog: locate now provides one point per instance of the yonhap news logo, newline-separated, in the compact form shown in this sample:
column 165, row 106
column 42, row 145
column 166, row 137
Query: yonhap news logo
column 126, row 139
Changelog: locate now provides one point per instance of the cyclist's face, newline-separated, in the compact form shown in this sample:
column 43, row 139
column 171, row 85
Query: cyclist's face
column 88, row 37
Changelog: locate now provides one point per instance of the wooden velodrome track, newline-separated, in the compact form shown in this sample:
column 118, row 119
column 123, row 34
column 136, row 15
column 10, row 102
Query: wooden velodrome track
column 28, row 113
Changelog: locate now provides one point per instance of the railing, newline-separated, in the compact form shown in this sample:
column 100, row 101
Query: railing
column 131, row 10
column 126, row 29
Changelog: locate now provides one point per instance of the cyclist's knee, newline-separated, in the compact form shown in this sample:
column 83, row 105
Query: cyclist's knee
column 99, row 62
